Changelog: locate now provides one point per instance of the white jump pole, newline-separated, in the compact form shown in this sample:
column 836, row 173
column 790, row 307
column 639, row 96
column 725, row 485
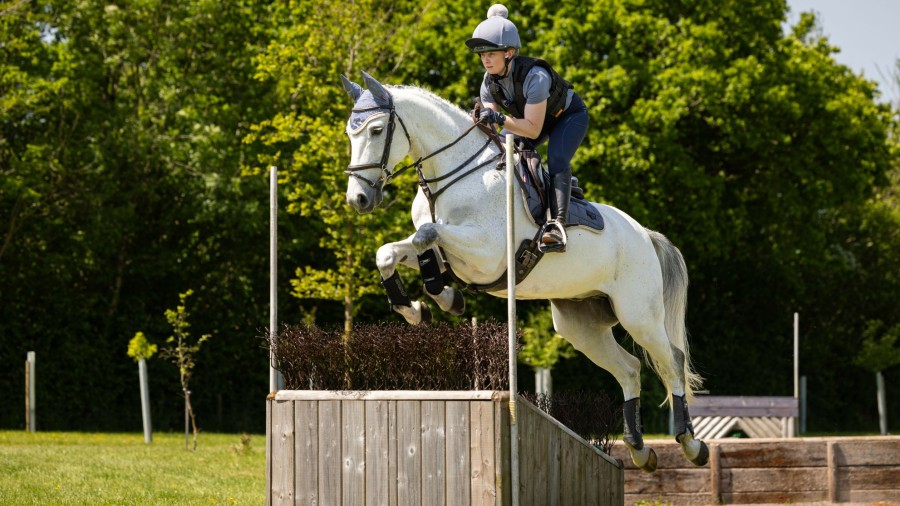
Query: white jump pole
column 794, row 424
column 145, row 400
column 511, row 318
column 273, row 271
column 30, row 397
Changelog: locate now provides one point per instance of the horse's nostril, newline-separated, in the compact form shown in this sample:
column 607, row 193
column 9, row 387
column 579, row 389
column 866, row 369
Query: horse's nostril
column 362, row 201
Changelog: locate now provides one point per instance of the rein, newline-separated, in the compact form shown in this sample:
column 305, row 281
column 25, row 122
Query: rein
column 388, row 176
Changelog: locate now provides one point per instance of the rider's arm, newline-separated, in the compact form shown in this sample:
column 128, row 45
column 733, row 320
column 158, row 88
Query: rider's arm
column 529, row 126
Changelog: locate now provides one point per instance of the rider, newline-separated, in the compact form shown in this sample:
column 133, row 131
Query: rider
column 541, row 105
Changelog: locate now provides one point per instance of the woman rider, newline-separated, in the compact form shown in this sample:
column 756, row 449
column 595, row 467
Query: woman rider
column 540, row 105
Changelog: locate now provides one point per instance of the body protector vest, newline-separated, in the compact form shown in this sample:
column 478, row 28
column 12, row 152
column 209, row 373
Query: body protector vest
column 556, row 102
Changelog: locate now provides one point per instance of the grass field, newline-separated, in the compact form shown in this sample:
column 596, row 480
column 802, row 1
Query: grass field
column 99, row 469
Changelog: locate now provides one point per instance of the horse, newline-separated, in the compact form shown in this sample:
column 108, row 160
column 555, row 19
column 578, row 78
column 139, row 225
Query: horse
column 626, row 274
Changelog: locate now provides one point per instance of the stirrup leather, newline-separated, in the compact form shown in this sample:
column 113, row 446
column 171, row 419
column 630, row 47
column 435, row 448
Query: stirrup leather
column 553, row 237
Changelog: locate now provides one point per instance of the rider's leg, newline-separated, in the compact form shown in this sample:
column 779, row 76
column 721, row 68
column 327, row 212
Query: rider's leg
column 564, row 138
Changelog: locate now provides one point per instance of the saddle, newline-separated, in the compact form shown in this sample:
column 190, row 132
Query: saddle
column 534, row 181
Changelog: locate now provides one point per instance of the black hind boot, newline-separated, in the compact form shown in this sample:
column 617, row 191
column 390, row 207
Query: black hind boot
column 553, row 239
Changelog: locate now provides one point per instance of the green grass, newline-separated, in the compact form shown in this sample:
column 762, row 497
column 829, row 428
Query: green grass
column 97, row 469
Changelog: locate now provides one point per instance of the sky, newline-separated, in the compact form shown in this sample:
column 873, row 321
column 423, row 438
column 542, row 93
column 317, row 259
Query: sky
column 868, row 33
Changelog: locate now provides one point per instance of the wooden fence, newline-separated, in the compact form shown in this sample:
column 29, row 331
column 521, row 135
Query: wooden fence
column 743, row 471
column 426, row 448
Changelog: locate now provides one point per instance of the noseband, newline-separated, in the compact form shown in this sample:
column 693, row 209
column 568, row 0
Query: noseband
column 386, row 175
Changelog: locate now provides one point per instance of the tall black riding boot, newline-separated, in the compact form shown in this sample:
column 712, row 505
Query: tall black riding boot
column 554, row 236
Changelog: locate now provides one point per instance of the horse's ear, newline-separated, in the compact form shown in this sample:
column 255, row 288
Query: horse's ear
column 378, row 91
column 352, row 88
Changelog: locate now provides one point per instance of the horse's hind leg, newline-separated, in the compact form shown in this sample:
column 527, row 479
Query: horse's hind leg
column 587, row 324
column 648, row 330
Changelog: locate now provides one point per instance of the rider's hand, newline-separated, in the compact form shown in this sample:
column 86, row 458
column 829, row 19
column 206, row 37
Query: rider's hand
column 476, row 110
column 490, row 116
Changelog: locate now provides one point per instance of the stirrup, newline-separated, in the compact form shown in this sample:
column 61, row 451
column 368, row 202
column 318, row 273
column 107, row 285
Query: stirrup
column 554, row 233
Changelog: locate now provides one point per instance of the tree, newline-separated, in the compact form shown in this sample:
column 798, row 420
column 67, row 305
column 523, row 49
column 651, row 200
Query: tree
column 306, row 140
column 180, row 351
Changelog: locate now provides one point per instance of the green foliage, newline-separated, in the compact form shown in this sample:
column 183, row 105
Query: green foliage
column 880, row 350
column 180, row 349
column 139, row 348
column 542, row 348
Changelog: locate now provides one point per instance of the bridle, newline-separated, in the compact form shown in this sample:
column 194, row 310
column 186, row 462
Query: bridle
column 387, row 176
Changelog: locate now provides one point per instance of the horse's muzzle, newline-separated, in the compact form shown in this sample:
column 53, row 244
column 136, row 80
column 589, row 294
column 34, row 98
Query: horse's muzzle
column 364, row 201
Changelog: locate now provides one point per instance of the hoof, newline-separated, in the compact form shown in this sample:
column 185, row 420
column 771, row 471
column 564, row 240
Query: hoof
column 650, row 466
column 703, row 457
column 644, row 459
column 459, row 304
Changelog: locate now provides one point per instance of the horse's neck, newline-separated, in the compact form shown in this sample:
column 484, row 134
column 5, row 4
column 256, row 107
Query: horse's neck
column 433, row 125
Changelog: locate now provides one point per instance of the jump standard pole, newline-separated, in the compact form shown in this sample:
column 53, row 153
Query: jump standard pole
column 511, row 319
column 273, row 271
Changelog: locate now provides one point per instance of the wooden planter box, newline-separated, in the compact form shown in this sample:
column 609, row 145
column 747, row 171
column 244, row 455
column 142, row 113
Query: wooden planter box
column 426, row 448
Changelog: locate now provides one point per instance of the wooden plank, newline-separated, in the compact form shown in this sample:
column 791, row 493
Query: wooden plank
column 553, row 466
column 329, row 452
column 409, row 455
column 306, row 447
column 434, row 443
column 773, row 454
column 459, row 458
column 593, row 477
column 891, row 497
column 269, row 456
column 353, row 452
column 768, row 479
column 868, row 478
column 526, row 456
column 388, row 395
column 501, row 418
column 377, row 462
column 541, row 434
column 482, row 452
column 745, row 406
column 568, row 495
column 672, row 481
column 861, row 452
column 283, row 453
column 393, row 449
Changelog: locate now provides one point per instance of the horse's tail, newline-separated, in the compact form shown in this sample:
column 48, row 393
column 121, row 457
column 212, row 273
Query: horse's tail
column 675, row 285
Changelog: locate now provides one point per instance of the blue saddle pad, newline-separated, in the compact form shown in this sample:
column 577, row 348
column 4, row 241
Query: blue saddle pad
column 581, row 212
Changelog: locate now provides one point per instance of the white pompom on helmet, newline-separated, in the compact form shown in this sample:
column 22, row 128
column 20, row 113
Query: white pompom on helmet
column 496, row 33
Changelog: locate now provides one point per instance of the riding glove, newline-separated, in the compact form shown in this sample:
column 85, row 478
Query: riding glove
column 490, row 116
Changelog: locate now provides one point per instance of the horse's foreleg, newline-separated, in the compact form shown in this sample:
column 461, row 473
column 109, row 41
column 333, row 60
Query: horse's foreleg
column 386, row 259
column 416, row 312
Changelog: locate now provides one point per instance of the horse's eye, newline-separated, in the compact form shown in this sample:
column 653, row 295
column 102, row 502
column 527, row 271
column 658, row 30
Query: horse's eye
column 377, row 130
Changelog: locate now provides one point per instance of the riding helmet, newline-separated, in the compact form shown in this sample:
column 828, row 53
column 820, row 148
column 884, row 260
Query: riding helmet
column 496, row 33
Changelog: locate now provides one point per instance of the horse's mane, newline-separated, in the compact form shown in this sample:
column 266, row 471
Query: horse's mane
column 443, row 104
